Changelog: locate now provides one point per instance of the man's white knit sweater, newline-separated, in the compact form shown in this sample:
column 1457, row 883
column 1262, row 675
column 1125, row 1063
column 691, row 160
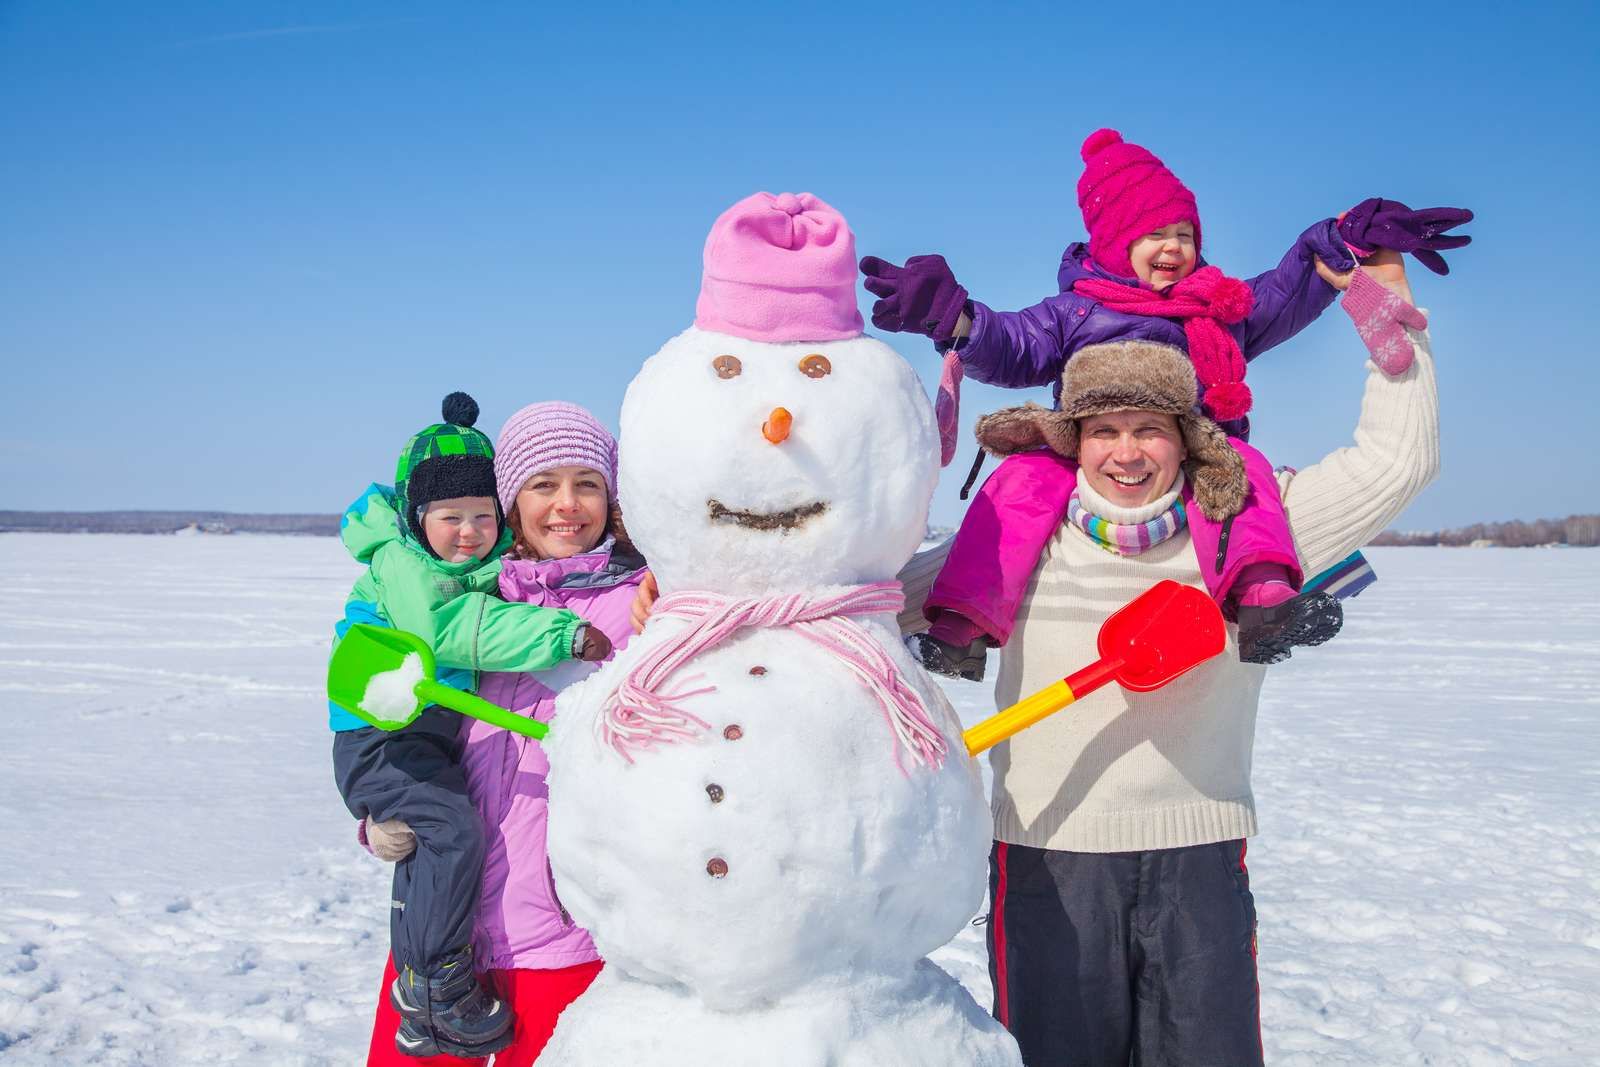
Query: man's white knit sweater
column 1120, row 771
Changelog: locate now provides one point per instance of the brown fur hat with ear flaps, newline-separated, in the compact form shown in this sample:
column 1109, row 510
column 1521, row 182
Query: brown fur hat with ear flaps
column 1128, row 376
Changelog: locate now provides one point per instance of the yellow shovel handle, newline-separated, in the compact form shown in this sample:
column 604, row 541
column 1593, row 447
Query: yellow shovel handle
column 1019, row 716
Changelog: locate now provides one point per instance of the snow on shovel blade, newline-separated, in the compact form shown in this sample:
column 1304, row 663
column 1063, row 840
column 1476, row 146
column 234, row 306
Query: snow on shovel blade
column 374, row 674
column 386, row 677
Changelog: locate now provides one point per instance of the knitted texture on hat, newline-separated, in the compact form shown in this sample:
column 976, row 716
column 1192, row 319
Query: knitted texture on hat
column 547, row 435
column 1125, row 193
column 780, row 268
column 446, row 460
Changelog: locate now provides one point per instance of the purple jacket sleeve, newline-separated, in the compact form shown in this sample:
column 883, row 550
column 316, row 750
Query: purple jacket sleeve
column 520, row 585
column 1290, row 296
column 1022, row 349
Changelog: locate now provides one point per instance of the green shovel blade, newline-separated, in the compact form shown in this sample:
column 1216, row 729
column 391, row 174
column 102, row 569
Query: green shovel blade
column 367, row 651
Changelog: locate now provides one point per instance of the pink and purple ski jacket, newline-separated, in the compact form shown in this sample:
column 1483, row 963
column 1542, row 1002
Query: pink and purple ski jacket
column 1024, row 502
column 520, row 922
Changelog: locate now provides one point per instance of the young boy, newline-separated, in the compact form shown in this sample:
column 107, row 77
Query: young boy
column 432, row 546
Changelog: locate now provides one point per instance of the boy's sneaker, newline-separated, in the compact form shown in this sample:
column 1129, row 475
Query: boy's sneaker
column 952, row 661
column 449, row 1012
column 1266, row 634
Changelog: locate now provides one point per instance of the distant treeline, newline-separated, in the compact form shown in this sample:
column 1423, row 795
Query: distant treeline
column 1573, row 530
column 163, row 522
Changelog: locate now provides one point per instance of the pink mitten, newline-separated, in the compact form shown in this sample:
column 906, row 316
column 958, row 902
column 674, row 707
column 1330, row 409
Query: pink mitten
column 1380, row 316
column 947, row 405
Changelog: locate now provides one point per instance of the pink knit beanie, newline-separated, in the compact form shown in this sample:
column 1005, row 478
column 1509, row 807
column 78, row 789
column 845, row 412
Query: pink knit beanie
column 1125, row 193
column 780, row 268
column 551, row 434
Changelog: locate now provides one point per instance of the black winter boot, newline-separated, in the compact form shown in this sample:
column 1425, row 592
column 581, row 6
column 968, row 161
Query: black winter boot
column 952, row 661
column 449, row 1012
column 1267, row 634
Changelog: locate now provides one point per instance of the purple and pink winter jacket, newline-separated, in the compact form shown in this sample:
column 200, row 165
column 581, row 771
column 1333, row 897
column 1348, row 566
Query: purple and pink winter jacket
column 1028, row 348
column 1023, row 503
column 521, row 923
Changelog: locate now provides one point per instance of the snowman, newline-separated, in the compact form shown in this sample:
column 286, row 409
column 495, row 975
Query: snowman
column 762, row 808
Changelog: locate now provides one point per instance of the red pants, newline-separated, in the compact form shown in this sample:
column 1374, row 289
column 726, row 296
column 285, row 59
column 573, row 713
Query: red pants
column 537, row 998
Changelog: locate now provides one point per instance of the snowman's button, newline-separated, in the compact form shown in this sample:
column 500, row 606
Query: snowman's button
column 758, row 670
column 717, row 867
column 714, row 791
column 733, row 731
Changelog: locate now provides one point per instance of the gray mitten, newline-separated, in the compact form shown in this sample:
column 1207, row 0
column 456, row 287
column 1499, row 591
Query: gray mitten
column 390, row 840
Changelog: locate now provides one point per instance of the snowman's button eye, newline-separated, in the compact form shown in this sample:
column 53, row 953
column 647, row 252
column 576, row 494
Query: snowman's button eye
column 727, row 366
column 717, row 867
column 815, row 365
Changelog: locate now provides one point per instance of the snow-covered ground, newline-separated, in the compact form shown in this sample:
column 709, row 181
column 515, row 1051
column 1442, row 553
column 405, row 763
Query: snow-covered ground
column 179, row 883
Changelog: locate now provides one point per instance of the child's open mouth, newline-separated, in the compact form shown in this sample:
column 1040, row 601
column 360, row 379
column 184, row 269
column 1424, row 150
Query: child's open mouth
column 1131, row 481
column 1167, row 268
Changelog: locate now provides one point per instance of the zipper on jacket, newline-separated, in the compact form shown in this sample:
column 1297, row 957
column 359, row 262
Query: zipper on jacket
column 1222, row 542
column 550, row 880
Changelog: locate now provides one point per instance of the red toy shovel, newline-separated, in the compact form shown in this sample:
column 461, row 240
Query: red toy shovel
column 1152, row 639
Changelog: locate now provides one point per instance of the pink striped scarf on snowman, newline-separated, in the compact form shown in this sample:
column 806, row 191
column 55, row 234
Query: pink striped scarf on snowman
column 640, row 714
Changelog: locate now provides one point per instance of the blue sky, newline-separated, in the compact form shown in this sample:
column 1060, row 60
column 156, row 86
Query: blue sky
column 247, row 246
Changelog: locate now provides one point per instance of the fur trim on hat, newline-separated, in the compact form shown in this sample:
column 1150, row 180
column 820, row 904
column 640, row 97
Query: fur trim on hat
column 1128, row 376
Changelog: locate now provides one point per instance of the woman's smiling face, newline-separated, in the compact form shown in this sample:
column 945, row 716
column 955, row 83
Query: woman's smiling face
column 563, row 511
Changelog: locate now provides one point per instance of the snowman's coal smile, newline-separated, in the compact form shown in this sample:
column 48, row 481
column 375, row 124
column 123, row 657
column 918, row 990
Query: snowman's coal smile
column 790, row 519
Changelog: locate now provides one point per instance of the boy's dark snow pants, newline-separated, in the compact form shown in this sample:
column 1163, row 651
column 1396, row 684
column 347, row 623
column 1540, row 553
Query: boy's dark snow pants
column 1141, row 958
column 415, row 775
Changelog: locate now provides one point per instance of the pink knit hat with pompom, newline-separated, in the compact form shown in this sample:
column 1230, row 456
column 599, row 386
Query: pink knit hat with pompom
column 1125, row 193
column 780, row 268
column 547, row 435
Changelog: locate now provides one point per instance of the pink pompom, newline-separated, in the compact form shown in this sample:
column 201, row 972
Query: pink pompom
column 1099, row 139
column 1227, row 401
column 1232, row 300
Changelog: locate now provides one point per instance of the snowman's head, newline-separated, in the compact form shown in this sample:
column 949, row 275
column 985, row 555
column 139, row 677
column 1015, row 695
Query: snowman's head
column 751, row 467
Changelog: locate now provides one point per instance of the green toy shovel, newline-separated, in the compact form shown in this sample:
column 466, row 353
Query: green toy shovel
column 386, row 677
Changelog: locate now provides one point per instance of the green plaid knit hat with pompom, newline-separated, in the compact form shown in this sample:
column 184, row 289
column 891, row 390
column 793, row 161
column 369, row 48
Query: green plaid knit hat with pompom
column 447, row 460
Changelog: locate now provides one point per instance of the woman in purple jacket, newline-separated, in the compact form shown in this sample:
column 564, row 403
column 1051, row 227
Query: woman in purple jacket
column 1139, row 278
column 555, row 467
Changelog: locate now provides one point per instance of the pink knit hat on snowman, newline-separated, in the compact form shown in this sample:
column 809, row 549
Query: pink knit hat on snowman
column 780, row 268
column 1125, row 193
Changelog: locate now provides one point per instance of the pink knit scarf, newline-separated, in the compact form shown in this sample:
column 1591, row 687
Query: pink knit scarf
column 1205, row 300
column 640, row 714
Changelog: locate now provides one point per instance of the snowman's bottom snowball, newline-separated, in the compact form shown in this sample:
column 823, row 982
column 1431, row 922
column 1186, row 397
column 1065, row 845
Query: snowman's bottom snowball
column 925, row 1019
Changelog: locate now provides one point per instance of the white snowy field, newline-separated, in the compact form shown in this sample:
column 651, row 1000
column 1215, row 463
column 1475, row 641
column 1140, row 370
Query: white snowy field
column 179, row 883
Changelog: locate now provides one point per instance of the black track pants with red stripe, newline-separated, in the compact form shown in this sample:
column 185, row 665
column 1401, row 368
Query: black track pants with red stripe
column 1125, row 958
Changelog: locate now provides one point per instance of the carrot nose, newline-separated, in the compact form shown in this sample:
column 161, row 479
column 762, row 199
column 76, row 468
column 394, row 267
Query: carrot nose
column 776, row 428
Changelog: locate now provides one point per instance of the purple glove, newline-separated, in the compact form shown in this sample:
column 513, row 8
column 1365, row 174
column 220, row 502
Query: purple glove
column 920, row 297
column 1379, row 315
column 1374, row 224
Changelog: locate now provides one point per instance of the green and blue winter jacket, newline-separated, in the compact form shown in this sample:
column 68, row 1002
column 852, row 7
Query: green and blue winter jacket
column 454, row 607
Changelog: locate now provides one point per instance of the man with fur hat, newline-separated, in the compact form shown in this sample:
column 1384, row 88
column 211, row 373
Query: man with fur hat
column 1121, row 924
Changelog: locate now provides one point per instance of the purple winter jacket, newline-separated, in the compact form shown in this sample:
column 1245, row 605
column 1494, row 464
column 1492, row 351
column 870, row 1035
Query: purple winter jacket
column 1027, row 348
column 521, row 923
